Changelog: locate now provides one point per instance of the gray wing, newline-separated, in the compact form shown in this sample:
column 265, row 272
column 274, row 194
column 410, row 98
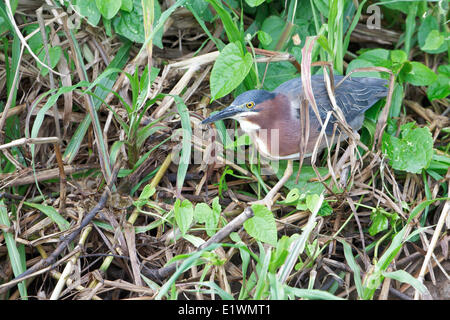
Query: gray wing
column 354, row 96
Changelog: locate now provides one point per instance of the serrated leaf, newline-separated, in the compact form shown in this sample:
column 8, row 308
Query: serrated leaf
column 108, row 8
column 230, row 69
column 184, row 214
column 262, row 225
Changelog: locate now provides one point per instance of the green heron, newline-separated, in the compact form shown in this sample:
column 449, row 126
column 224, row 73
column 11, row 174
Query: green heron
column 264, row 115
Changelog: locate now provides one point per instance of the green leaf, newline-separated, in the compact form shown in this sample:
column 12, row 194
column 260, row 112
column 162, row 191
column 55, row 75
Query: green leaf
column 131, row 26
column 304, row 186
column 127, row 5
column 196, row 241
column 35, row 42
column 420, row 75
column 105, row 84
column 146, row 132
column 378, row 57
column 397, row 100
column 202, row 212
column 429, row 26
column 51, row 212
column 434, row 41
column 184, row 214
column 292, row 196
column 54, row 54
column 325, row 210
column 403, row 276
column 186, row 144
column 379, row 222
column 230, row 69
column 371, row 58
column 88, row 9
column 398, row 56
column 412, row 152
column 444, row 69
column 146, row 193
column 254, row 3
column 361, row 63
column 277, row 73
column 274, row 27
column 264, row 38
column 243, row 140
column 108, row 8
column 440, row 89
column 311, row 201
column 17, row 265
column 354, row 266
column 311, row 294
column 231, row 29
column 262, row 225
column 280, row 254
column 210, row 217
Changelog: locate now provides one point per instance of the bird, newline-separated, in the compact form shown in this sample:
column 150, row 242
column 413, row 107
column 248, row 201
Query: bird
column 272, row 118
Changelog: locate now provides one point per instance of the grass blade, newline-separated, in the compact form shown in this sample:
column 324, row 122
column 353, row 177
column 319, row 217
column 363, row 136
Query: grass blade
column 403, row 276
column 107, row 82
column 354, row 266
column 13, row 253
column 51, row 212
column 186, row 143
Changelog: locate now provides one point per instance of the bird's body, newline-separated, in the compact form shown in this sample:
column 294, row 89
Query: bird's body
column 272, row 119
column 273, row 123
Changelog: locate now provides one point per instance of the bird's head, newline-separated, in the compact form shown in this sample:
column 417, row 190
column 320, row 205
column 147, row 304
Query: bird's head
column 247, row 104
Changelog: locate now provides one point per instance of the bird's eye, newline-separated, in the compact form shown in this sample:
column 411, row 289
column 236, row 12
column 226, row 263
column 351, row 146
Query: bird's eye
column 250, row 105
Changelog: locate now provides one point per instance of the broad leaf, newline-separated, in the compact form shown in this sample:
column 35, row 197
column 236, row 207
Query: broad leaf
column 412, row 152
column 230, row 69
column 262, row 225
column 108, row 8
column 184, row 214
column 420, row 75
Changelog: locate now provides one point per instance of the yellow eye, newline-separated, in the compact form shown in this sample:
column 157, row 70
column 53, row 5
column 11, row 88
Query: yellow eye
column 250, row 105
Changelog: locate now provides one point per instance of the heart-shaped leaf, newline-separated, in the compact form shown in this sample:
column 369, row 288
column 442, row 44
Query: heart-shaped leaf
column 230, row 69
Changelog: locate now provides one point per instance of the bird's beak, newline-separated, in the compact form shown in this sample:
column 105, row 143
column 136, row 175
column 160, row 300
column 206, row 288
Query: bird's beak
column 228, row 112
